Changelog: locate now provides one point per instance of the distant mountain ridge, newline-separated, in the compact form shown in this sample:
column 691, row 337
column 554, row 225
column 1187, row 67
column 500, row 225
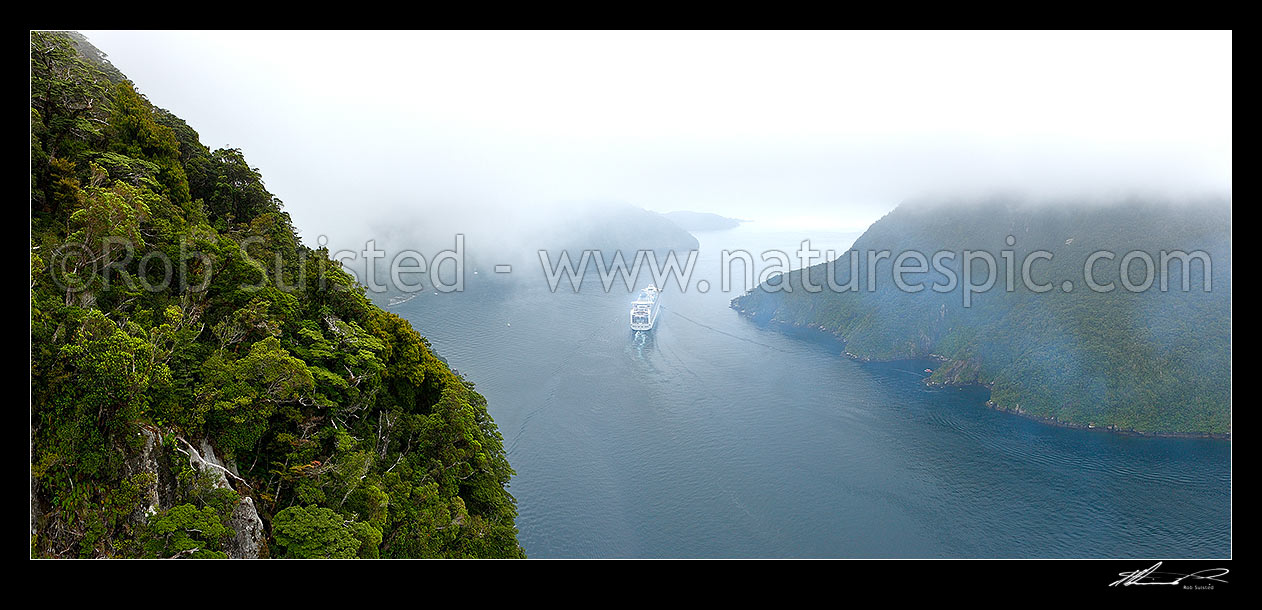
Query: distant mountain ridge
column 518, row 238
column 702, row 221
column 1151, row 361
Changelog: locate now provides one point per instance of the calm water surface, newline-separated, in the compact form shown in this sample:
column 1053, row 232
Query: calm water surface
column 714, row 437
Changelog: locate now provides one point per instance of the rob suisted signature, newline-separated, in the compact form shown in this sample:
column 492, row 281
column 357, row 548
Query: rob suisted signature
column 1152, row 577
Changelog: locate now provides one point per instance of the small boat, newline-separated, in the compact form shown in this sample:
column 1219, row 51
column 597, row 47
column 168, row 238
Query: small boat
column 401, row 299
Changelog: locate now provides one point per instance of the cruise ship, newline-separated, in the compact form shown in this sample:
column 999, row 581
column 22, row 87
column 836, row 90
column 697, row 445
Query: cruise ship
column 645, row 308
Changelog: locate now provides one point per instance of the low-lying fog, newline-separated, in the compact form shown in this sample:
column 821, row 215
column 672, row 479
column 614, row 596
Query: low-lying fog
column 505, row 133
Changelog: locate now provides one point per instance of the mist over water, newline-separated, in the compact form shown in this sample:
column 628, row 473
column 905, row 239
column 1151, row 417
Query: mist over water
column 713, row 437
column 837, row 127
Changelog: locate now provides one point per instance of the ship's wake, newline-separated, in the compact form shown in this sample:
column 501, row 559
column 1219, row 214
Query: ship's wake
column 553, row 379
column 722, row 332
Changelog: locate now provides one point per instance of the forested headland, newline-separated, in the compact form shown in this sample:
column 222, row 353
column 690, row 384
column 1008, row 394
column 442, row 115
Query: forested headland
column 203, row 384
column 1148, row 352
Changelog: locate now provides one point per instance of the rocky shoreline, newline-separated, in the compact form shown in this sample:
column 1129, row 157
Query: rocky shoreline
column 819, row 333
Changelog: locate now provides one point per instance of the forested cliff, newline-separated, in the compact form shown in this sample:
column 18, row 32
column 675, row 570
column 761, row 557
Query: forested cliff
column 1132, row 353
column 203, row 384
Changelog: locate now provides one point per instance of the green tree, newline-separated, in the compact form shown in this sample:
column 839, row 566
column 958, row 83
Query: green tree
column 243, row 393
column 133, row 132
column 314, row 532
column 185, row 532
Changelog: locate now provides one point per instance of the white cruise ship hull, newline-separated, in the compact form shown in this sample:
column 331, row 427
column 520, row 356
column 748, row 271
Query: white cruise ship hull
column 645, row 309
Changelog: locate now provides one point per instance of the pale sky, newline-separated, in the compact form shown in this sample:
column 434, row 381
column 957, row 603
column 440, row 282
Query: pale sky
column 824, row 129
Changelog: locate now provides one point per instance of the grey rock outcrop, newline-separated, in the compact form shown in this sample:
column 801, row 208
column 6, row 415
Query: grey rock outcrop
column 248, row 540
column 146, row 461
column 245, row 521
column 159, row 490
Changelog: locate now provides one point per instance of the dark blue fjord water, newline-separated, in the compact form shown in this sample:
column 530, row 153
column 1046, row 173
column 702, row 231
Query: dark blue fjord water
column 714, row 437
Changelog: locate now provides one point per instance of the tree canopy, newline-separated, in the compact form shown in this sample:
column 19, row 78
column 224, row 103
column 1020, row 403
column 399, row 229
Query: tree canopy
column 171, row 294
column 1153, row 360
